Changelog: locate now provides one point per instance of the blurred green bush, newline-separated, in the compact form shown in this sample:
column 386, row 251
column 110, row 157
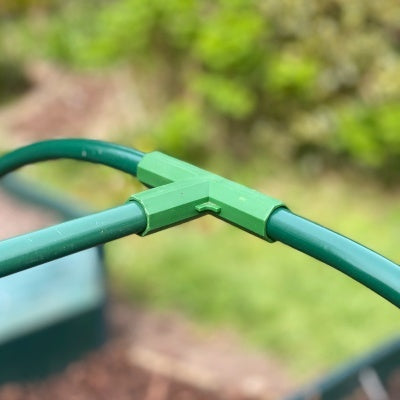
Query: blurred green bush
column 290, row 78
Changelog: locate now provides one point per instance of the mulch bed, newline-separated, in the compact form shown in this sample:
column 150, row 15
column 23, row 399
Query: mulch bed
column 152, row 356
column 104, row 375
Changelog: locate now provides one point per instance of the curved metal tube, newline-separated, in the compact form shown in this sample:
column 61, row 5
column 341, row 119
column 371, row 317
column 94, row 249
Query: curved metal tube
column 360, row 263
column 94, row 151
column 25, row 251
column 367, row 267
column 29, row 250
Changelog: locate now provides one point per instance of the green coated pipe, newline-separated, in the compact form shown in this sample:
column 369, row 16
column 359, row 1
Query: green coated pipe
column 35, row 248
column 367, row 267
column 360, row 263
column 95, row 151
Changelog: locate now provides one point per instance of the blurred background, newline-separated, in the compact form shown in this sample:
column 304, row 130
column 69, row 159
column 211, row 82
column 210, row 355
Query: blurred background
column 297, row 98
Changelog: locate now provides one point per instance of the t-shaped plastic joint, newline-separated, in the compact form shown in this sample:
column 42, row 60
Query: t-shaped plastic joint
column 182, row 192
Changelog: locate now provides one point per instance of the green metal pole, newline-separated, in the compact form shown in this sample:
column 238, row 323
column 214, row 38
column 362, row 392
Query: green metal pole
column 360, row 263
column 35, row 248
column 95, row 151
column 181, row 192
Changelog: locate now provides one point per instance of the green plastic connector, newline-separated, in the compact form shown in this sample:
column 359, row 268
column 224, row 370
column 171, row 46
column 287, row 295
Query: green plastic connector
column 182, row 191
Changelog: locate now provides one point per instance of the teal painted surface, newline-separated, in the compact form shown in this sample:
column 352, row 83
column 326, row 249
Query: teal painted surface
column 375, row 374
column 43, row 310
column 50, row 349
column 360, row 263
column 35, row 248
column 50, row 293
column 42, row 197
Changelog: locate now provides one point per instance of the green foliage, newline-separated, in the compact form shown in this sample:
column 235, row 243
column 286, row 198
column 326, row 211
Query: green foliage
column 230, row 40
column 225, row 96
column 292, row 75
column 179, row 130
column 372, row 135
column 127, row 29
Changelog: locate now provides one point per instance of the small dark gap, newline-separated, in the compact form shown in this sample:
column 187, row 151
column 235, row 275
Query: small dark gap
column 13, row 81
